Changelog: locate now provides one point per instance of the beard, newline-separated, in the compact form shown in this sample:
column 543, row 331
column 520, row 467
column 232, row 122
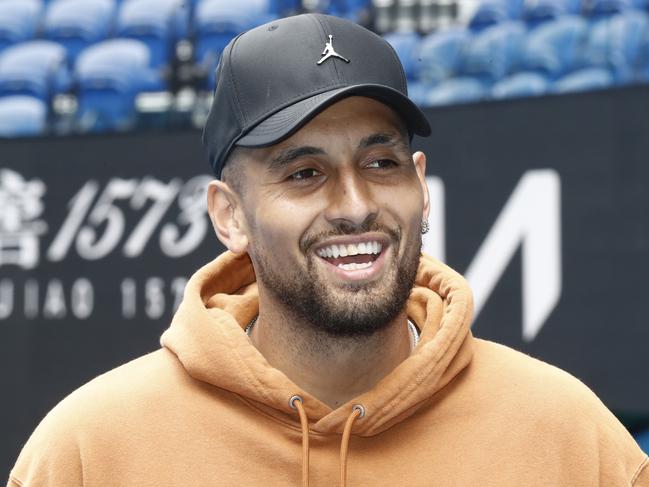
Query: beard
column 350, row 310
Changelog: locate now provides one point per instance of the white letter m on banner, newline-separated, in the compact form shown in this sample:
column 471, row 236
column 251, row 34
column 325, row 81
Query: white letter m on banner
column 530, row 218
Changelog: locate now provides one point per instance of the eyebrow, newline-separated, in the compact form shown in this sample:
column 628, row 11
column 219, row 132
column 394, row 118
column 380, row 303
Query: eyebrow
column 382, row 139
column 288, row 155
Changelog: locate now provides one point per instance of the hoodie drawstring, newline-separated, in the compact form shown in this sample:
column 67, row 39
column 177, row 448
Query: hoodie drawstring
column 358, row 411
column 296, row 403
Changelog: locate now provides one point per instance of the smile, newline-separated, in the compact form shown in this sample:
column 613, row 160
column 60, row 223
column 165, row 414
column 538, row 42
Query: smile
column 359, row 259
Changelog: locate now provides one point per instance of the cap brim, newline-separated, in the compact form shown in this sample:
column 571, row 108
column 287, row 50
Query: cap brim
column 288, row 120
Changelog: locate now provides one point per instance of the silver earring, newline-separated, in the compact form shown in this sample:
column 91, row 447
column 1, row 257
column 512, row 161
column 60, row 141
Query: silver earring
column 424, row 227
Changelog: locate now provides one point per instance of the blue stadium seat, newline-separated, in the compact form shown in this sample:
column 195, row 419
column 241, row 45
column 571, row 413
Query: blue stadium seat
column 599, row 8
column 584, row 80
column 490, row 12
column 78, row 23
column 540, row 11
column 456, row 90
column 18, row 21
column 515, row 9
column 520, row 85
column 556, row 47
column 217, row 22
column 620, row 43
column 440, row 55
column 108, row 77
column 34, row 68
column 495, row 51
column 22, row 116
column 157, row 23
column 406, row 45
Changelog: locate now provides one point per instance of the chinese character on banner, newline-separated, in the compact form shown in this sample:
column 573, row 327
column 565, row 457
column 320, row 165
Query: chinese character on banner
column 20, row 206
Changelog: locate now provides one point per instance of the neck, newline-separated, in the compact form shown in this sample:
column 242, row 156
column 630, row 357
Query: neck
column 333, row 369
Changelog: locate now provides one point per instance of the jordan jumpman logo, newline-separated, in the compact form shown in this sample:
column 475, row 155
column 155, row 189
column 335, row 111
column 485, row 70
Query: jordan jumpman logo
column 329, row 51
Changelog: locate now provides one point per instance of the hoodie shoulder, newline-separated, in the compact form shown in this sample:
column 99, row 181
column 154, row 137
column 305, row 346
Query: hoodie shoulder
column 112, row 401
column 125, row 387
column 557, row 408
column 523, row 380
column 119, row 391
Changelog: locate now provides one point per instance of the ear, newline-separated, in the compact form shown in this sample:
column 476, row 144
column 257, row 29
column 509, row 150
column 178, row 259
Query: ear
column 224, row 207
column 419, row 159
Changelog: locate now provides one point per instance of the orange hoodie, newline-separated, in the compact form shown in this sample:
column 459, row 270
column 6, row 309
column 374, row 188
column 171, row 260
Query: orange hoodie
column 207, row 409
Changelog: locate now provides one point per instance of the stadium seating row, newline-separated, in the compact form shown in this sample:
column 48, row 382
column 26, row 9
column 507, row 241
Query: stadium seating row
column 106, row 78
column 490, row 12
column 77, row 24
column 511, row 59
column 104, row 53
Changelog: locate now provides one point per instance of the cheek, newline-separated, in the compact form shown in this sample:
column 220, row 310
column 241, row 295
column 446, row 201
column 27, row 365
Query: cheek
column 406, row 205
column 280, row 227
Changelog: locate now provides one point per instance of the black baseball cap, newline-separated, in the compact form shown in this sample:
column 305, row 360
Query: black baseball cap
column 276, row 77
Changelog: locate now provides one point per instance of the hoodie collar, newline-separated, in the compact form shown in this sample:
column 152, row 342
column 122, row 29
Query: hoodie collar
column 207, row 336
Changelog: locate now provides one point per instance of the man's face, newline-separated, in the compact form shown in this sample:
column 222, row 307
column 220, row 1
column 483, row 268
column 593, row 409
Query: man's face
column 333, row 216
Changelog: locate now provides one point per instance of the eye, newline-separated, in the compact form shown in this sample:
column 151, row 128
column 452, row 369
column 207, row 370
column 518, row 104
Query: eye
column 304, row 174
column 381, row 163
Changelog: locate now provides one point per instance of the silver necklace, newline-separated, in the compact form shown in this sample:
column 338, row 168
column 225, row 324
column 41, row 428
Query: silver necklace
column 248, row 329
column 414, row 332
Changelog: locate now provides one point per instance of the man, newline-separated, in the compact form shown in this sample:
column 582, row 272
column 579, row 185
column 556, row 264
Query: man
column 323, row 348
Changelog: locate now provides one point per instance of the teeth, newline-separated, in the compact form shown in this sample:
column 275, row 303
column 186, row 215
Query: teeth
column 355, row 267
column 335, row 251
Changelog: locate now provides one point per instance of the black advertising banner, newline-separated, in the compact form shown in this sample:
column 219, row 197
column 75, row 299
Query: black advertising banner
column 98, row 236
column 546, row 211
column 541, row 203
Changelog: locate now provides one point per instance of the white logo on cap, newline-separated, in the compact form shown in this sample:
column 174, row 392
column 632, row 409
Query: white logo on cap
column 329, row 51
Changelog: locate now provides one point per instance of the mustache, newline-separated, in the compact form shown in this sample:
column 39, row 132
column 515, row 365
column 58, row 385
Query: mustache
column 345, row 228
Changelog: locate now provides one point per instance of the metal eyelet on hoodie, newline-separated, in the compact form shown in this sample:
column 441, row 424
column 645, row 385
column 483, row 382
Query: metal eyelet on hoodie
column 293, row 399
column 359, row 407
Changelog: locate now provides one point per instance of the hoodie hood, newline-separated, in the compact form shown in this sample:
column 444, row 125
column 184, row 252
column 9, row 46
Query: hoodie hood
column 207, row 336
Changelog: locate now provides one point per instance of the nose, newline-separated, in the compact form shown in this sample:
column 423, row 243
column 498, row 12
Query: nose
column 351, row 202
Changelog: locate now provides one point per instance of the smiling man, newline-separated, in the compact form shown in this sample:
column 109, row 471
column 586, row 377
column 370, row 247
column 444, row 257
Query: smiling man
column 331, row 219
column 323, row 347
